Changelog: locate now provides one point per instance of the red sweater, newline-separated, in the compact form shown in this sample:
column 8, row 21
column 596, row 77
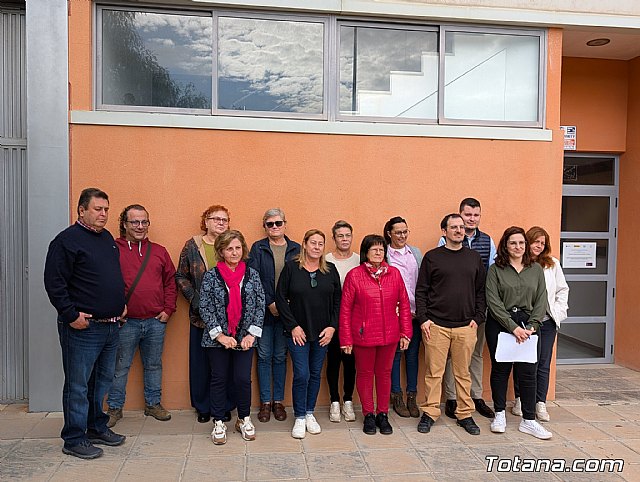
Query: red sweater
column 373, row 314
column 156, row 290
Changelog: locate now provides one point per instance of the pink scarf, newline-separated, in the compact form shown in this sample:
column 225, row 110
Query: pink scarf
column 233, row 279
column 377, row 272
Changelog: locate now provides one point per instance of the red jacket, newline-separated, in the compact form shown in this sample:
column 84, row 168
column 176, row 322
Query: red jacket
column 373, row 314
column 156, row 290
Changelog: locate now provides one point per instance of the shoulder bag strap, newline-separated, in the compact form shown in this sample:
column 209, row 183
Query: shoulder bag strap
column 139, row 275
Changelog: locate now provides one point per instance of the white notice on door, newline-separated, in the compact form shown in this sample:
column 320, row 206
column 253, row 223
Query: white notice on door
column 578, row 255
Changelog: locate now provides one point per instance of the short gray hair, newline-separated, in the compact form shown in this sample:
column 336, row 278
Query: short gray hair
column 270, row 213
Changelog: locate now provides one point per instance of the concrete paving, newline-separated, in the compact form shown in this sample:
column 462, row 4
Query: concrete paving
column 596, row 416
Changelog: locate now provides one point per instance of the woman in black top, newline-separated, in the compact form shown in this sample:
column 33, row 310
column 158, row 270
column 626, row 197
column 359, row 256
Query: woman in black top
column 308, row 300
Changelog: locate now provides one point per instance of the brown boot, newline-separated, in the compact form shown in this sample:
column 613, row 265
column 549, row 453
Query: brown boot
column 115, row 414
column 279, row 412
column 412, row 405
column 397, row 401
column 264, row 415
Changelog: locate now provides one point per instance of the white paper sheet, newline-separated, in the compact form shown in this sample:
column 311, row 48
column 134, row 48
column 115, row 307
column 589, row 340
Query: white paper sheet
column 509, row 350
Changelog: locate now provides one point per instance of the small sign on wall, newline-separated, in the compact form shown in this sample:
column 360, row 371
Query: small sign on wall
column 578, row 255
column 569, row 137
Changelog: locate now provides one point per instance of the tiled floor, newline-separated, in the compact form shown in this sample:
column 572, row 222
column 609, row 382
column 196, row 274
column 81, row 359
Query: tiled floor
column 596, row 415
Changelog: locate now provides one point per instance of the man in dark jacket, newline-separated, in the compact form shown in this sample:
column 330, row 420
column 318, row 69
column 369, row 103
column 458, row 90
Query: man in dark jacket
column 150, row 303
column 450, row 304
column 83, row 280
column 267, row 257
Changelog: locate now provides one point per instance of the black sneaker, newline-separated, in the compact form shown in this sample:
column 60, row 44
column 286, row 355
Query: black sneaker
column 425, row 423
column 382, row 422
column 483, row 409
column 227, row 416
column 109, row 437
column 450, row 408
column 469, row 425
column 203, row 417
column 369, row 426
column 84, row 450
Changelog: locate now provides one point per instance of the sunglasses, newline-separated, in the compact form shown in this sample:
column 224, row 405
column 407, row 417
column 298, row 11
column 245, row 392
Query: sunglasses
column 270, row 224
column 314, row 281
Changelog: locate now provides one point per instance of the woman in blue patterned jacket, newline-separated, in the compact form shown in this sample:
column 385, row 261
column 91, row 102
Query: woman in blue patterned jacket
column 232, row 308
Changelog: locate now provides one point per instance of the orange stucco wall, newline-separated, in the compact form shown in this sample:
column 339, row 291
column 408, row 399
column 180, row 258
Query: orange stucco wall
column 594, row 99
column 315, row 178
column 627, row 336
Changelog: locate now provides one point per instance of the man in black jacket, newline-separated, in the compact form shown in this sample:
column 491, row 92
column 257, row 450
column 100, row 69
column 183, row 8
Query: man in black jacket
column 83, row 280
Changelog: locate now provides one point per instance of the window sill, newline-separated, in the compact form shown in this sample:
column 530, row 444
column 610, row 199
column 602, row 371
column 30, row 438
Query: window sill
column 142, row 119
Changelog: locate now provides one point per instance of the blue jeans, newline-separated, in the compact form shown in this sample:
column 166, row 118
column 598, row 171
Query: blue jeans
column 88, row 361
column 272, row 362
column 411, row 358
column 547, row 336
column 148, row 334
column 307, row 361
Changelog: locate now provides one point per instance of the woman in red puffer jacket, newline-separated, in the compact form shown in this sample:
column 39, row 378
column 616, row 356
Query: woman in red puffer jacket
column 374, row 315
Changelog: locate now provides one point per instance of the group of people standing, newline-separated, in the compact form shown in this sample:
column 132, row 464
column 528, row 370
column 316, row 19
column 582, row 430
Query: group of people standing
column 361, row 312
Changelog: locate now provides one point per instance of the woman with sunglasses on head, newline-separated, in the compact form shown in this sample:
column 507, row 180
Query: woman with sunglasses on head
column 197, row 257
column 407, row 259
column 517, row 300
column 232, row 308
column 557, row 297
column 308, row 300
column 268, row 257
column 374, row 316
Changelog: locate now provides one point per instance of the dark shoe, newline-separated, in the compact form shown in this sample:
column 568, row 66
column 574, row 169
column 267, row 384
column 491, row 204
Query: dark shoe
column 227, row 416
column 483, row 409
column 279, row 412
column 425, row 423
column 369, row 426
column 382, row 422
column 450, row 408
column 469, row 425
column 109, row 437
column 158, row 412
column 397, row 402
column 264, row 414
column 84, row 450
column 203, row 417
column 115, row 414
column 412, row 406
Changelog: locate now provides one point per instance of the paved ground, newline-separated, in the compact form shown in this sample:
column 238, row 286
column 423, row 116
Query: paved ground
column 597, row 415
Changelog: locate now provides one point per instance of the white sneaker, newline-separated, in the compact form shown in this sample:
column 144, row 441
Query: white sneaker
column 347, row 411
column 313, row 427
column 541, row 412
column 219, row 433
column 246, row 428
column 334, row 412
column 299, row 428
column 517, row 408
column 499, row 423
column 534, row 428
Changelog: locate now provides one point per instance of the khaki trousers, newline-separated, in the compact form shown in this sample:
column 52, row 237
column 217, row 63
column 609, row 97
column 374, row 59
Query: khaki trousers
column 460, row 342
column 476, row 369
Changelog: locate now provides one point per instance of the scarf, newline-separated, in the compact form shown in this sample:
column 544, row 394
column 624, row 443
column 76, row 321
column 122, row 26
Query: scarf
column 232, row 279
column 377, row 273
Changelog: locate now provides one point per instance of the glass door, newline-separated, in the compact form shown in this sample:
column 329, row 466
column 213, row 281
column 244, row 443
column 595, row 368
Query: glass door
column 588, row 257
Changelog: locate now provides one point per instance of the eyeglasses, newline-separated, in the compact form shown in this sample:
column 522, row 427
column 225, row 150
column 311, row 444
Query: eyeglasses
column 344, row 236
column 314, row 281
column 218, row 220
column 137, row 223
column 271, row 224
column 400, row 233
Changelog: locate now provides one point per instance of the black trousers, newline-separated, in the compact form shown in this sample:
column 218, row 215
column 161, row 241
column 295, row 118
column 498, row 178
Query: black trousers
column 220, row 359
column 335, row 356
column 501, row 371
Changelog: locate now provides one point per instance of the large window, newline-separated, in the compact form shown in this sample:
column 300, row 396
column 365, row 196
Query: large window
column 317, row 67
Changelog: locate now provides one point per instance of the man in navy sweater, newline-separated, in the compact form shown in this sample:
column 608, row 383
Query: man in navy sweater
column 83, row 280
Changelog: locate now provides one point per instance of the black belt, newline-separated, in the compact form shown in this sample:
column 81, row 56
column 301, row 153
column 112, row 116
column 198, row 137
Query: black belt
column 115, row 319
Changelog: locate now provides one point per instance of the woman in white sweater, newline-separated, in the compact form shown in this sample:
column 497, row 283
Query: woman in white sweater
column 557, row 296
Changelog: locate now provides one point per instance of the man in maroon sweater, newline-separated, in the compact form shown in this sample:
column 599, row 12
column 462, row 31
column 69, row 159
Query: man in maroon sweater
column 151, row 301
column 450, row 304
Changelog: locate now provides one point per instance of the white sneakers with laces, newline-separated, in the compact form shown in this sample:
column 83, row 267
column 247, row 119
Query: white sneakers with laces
column 541, row 412
column 334, row 412
column 347, row 411
column 246, row 428
column 313, row 427
column 499, row 423
column 219, row 433
column 517, row 407
column 532, row 427
column 299, row 428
